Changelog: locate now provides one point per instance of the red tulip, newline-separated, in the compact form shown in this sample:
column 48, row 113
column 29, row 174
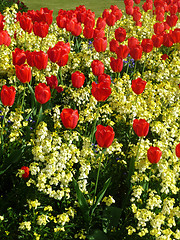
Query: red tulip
column 101, row 23
column 42, row 93
column 98, row 33
column 54, row 54
column 100, row 44
column 104, row 78
column 88, row 32
column 23, row 73
column 77, row 79
column 136, row 15
column 116, row 64
column 104, row 136
column 26, row 172
column 40, row 60
column 147, row 45
column 111, row 19
column 141, row 127
column 101, row 91
column 120, row 34
column 178, row 150
column 77, row 29
column 154, row 154
column 138, row 85
column 158, row 28
column 26, row 23
column 70, row 24
column 45, row 15
column 61, row 21
column 105, row 13
column 122, row 51
column 164, row 57
column 132, row 42
column 176, row 35
column 97, row 67
column 52, row 81
column 1, row 21
column 69, row 118
column 168, row 40
column 8, row 95
column 157, row 40
column 113, row 44
column 129, row 10
column 40, row 29
column 89, row 21
column 5, row 39
column 137, row 1
column 147, row 6
column 172, row 20
column 63, row 58
column 136, row 52
column 19, row 56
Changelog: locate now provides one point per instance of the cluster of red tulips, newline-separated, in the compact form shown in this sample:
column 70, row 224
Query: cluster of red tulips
column 39, row 22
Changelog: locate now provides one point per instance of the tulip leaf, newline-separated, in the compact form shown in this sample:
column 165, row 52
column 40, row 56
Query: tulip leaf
column 97, row 235
column 82, row 202
column 101, row 195
column 111, row 217
column 13, row 158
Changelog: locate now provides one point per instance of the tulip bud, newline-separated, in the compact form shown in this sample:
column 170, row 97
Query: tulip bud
column 42, row 93
column 141, row 127
column 69, row 118
column 8, row 95
column 77, row 79
column 23, row 73
column 154, row 154
column 101, row 91
column 104, row 136
column 138, row 85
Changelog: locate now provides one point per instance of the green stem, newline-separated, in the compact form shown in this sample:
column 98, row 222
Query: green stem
column 39, row 114
column 97, row 177
column 94, row 125
column 60, row 75
column 132, row 165
column 144, row 64
column 128, row 66
column 41, row 44
column 23, row 100
column 2, row 139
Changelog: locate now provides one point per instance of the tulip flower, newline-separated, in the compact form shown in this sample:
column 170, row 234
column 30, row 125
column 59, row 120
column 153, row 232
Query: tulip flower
column 69, row 118
column 116, row 64
column 23, row 73
column 141, row 127
column 147, row 45
column 97, row 67
column 104, row 136
column 113, row 45
column 5, row 39
column 88, row 32
column 111, row 19
column 40, row 60
column 77, row 79
column 136, row 52
column 154, row 154
column 122, row 51
column 101, row 91
column 26, row 172
column 19, row 56
column 138, row 85
column 100, row 44
column 52, row 82
column 178, row 150
column 104, row 78
column 8, row 95
column 26, row 23
column 42, row 93
column 120, row 34
column 40, row 29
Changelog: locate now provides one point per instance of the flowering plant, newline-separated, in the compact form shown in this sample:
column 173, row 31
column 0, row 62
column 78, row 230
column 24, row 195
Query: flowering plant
column 90, row 123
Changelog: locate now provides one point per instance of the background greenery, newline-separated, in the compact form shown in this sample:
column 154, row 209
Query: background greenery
column 96, row 6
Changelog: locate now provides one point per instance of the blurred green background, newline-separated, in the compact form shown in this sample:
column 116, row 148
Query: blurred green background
column 96, row 6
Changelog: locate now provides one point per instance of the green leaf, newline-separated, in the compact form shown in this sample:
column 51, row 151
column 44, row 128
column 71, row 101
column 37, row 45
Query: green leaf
column 111, row 217
column 13, row 158
column 82, row 202
column 97, row 235
column 101, row 194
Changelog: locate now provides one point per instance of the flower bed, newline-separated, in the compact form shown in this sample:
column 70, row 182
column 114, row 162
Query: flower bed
column 90, row 137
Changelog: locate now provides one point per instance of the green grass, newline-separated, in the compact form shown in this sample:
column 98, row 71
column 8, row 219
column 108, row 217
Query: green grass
column 96, row 6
